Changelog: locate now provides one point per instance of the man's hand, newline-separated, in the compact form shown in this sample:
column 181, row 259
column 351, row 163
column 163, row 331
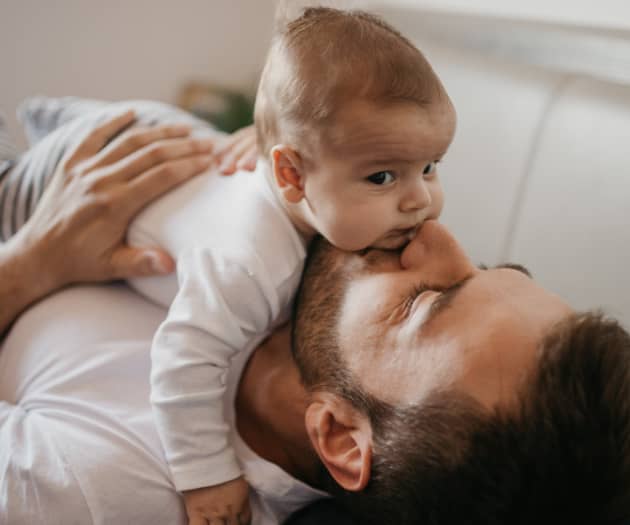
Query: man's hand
column 225, row 504
column 78, row 229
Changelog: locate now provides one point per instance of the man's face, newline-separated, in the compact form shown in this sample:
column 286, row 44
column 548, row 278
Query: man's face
column 428, row 319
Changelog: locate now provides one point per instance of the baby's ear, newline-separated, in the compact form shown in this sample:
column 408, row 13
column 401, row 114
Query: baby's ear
column 287, row 171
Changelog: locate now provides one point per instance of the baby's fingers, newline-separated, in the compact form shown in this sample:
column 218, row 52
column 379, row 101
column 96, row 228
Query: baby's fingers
column 245, row 516
column 242, row 149
column 198, row 520
column 248, row 161
column 229, row 520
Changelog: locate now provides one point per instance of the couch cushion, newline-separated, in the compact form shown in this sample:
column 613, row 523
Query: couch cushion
column 499, row 107
column 573, row 229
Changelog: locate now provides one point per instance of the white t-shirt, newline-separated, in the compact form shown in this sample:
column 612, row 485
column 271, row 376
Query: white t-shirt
column 239, row 263
column 78, row 444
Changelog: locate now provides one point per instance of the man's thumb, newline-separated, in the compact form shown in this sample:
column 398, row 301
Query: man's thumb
column 139, row 262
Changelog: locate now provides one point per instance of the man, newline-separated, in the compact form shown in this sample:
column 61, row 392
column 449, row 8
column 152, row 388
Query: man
column 420, row 390
column 412, row 407
column 442, row 393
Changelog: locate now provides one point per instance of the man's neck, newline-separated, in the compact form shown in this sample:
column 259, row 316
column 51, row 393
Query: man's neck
column 270, row 407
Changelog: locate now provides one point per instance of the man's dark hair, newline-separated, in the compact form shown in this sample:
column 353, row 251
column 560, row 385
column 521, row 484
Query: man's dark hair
column 560, row 455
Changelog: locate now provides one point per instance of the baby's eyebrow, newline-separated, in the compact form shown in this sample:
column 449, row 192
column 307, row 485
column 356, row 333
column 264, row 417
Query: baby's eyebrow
column 389, row 159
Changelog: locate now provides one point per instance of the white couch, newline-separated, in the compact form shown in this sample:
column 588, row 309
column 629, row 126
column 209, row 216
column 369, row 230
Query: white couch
column 539, row 172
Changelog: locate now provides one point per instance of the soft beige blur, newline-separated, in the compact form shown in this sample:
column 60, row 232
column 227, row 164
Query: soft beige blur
column 120, row 50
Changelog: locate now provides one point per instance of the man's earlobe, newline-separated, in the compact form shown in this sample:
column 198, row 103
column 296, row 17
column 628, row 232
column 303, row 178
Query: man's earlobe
column 342, row 438
column 287, row 171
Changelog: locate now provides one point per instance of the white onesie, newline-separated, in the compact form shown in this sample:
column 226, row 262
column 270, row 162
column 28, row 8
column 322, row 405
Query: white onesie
column 239, row 262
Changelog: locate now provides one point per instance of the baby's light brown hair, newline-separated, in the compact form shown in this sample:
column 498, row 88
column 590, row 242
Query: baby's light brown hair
column 326, row 58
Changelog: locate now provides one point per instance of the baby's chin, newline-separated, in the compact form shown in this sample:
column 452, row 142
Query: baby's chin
column 391, row 243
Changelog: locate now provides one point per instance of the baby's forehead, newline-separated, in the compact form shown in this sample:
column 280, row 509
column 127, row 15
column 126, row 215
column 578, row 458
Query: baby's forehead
column 401, row 130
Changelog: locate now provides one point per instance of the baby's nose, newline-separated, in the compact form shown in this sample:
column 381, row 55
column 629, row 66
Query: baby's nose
column 417, row 196
column 436, row 253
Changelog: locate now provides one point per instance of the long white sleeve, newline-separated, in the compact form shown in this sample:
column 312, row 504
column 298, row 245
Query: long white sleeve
column 222, row 307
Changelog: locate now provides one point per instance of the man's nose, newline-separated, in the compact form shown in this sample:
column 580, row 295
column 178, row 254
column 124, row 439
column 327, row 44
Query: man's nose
column 436, row 253
column 416, row 196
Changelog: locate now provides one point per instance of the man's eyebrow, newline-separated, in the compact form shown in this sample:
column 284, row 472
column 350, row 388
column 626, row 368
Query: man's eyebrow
column 445, row 299
column 517, row 267
column 509, row 266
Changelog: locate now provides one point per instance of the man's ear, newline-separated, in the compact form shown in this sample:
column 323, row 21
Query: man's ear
column 342, row 438
column 287, row 171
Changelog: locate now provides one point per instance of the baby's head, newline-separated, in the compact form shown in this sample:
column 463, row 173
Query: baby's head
column 353, row 121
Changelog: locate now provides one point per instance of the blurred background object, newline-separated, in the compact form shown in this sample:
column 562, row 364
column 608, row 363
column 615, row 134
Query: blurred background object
column 613, row 14
column 227, row 109
column 153, row 49
column 138, row 49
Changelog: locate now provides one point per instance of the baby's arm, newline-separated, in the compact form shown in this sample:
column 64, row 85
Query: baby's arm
column 220, row 309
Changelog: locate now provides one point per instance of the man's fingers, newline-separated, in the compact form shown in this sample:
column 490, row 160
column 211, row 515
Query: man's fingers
column 159, row 179
column 135, row 140
column 129, row 262
column 154, row 155
column 98, row 137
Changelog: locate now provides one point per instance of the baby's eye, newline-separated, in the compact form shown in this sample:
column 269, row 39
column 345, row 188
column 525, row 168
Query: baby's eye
column 381, row 178
column 430, row 168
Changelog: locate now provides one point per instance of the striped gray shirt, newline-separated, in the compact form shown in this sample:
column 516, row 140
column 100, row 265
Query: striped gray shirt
column 23, row 180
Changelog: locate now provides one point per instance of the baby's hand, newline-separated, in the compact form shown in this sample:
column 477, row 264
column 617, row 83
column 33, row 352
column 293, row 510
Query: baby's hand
column 237, row 151
column 225, row 504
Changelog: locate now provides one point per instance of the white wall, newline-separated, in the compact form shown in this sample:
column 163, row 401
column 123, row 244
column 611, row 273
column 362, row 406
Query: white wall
column 120, row 49
column 598, row 13
column 147, row 48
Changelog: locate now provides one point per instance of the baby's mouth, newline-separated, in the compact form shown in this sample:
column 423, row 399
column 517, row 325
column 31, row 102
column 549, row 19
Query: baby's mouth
column 397, row 239
column 407, row 233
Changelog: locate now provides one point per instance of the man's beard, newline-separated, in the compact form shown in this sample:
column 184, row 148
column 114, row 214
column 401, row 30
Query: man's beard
column 406, row 439
column 314, row 337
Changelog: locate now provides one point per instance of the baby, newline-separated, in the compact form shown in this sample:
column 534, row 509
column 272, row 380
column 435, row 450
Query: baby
column 351, row 123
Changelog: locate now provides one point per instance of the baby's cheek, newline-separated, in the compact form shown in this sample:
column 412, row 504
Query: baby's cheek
column 356, row 230
column 437, row 200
